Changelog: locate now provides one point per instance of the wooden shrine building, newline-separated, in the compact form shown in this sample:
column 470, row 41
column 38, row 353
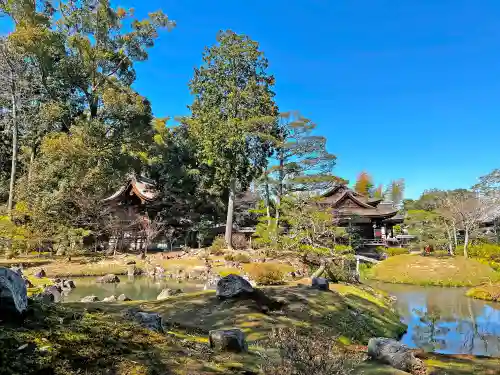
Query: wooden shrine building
column 373, row 219
column 130, row 204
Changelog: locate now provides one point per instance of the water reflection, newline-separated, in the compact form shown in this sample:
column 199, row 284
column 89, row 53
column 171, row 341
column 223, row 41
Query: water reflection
column 136, row 288
column 445, row 321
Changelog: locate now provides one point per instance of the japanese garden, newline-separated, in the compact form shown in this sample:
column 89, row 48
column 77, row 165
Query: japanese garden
column 222, row 241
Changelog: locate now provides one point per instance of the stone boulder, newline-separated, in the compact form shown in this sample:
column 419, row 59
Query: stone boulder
column 28, row 283
column 17, row 270
column 13, row 294
column 151, row 321
column 395, row 354
column 110, row 299
column 40, row 274
column 230, row 340
column 51, row 294
column 123, row 298
column 60, row 252
column 233, row 286
column 68, row 284
column 320, row 283
column 108, row 279
column 89, row 299
column 167, row 292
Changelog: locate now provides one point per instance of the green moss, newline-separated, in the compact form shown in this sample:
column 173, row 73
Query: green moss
column 425, row 270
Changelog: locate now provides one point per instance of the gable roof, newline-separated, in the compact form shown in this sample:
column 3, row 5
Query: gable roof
column 143, row 187
column 347, row 202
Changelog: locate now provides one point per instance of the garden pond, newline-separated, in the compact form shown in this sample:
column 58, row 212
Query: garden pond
column 444, row 320
column 135, row 288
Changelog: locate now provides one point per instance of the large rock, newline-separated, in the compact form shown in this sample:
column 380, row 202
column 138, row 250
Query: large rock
column 231, row 340
column 233, row 286
column 108, row 279
column 51, row 293
column 395, row 354
column 13, row 294
column 167, row 292
column 152, row 321
column 110, row 299
column 40, row 274
column 123, row 298
column 89, row 299
column 17, row 270
column 320, row 283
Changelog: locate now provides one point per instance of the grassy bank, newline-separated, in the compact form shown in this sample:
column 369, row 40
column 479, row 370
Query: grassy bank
column 95, row 339
column 488, row 292
column 420, row 270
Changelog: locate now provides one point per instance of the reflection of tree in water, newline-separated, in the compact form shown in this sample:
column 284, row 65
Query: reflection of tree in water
column 426, row 333
column 471, row 331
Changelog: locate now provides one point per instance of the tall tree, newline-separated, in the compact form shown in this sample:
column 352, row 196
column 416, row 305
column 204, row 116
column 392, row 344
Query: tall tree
column 301, row 161
column 364, row 184
column 84, row 53
column 233, row 114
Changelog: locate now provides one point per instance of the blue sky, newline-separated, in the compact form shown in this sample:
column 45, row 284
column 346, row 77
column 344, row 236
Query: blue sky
column 401, row 89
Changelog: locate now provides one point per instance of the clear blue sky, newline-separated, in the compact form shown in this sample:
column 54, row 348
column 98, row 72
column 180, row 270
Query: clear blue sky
column 401, row 89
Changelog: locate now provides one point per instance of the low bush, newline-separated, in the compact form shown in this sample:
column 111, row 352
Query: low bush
column 266, row 274
column 237, row 257
column 218, row 246
column 440, row 253
column 239, row 241
column 486, row 251
column 392, row 251
column 242, row 258
column 304, row 353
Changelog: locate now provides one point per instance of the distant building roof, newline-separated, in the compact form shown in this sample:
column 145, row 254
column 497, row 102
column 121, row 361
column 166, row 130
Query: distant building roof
column 143, row 187
column 348, row 202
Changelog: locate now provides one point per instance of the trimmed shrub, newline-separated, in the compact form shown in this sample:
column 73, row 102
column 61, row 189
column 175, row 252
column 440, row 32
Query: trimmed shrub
column 440, row 253
column 239, row 241
column 237, row 257
column 218, row 246
column 266, row 274
column 392, row 251
column 242, row 258
column 486, row 251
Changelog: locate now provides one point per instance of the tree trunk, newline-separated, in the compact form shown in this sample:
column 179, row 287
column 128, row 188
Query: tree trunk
column 268, row 202
column 32, row 161
column 455, row 235
column 466, row 242
column 281, row 179
column 450, row 241
column 10, row 203
column 230, row 213
column 320, row 270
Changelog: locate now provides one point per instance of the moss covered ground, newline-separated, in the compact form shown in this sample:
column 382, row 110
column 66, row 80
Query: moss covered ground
column 426, row 270
column 95, row 339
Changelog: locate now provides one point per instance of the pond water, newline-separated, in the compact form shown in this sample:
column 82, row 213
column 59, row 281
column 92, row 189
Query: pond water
column 136, row 288
column 444, row 320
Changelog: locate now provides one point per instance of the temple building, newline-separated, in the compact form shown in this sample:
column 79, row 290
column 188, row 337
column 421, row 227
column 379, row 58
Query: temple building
column 129, row 205
column 373, row 219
